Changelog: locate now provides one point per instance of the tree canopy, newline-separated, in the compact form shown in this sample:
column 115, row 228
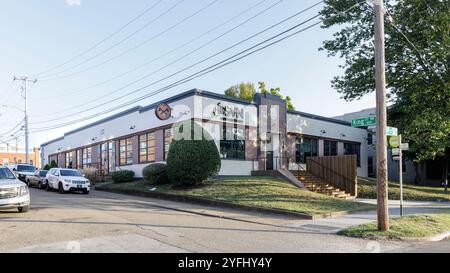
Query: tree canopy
column 247, row 91
column 417, row 66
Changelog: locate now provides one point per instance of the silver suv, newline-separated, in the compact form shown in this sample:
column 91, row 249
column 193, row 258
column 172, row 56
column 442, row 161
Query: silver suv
column 13, row 192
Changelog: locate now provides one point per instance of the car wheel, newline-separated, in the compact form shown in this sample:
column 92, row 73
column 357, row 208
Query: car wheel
column 28, row 183
column 85, row 192
column 39, row 185
column 48, row 188
column 23, row 209
column 61, row 189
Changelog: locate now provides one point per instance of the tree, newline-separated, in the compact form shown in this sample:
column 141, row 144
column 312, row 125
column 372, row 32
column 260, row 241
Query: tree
column 244, row 91
column 53, row 164
column 247, row 91
column 47, row 167
column 193, row 158
column 417, row 71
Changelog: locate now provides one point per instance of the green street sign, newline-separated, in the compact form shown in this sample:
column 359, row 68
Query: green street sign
column 391, row 131
column 362, row 122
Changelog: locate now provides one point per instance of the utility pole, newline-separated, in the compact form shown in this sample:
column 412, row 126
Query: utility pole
column 401, row 173
column 24, row 81
column 380, row 79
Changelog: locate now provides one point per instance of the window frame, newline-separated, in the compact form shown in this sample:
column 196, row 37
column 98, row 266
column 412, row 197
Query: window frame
column 147, row 150
column 127, row 151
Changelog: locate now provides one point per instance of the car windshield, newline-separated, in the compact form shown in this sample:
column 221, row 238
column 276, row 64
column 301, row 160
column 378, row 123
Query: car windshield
column 70, row 173
column 43, row 173
column 26, row 168
column 6, row 174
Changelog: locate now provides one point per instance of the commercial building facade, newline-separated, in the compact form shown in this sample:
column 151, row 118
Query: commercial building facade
column 12, row 155
column 258, row 135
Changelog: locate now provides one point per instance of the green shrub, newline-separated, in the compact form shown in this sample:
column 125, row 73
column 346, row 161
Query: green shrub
column 122, row 176
column 192, row 160
column 53, row 164
column 156, row 173
column 47, row 167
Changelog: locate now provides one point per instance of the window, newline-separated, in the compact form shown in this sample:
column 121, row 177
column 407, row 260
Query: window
column 147, row 148
column 330, row 148
column 232, row 144
column 168, row 137
column 69, row 160
column 370, row 166
column 353, row 149
column 126, row 152
column 306, row 147
column 369, row 139
column 87, row 157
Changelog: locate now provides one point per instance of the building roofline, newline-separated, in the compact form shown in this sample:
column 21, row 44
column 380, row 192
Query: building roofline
column 317, row 117
column 141, row 109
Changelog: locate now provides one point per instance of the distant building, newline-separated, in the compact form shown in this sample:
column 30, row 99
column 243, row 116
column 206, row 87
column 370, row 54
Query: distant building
column 12, row 155
column 432, row 169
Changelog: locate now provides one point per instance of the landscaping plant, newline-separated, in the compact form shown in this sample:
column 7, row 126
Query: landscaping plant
column 156, row 173
column 193, row 158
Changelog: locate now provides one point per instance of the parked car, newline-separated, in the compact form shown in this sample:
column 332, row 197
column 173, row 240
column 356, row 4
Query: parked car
column 67, row 180
column 23, row 170
column 13, row 192
column 39, row 179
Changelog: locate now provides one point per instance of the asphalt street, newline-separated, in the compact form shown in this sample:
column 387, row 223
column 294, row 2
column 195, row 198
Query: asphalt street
column 104, row 222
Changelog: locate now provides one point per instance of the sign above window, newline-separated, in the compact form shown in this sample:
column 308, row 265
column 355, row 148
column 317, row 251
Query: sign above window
column 228, row 112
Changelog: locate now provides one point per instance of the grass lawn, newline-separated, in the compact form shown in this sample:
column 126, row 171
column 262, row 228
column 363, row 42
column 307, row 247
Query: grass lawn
column 265, row 192
column 415, row 226
column 367, row 189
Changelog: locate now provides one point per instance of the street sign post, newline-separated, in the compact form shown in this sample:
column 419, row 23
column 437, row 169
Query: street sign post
column 400, row 163
column 362, row 122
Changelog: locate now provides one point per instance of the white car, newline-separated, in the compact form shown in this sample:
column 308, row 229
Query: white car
column 23, row 170
column 13, row 192
column 67, row 180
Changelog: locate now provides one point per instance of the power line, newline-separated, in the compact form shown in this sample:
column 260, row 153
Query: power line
column 118, row 43
column 160, row 69
column 187, row 68
column 154, row 59
column 252, row 50
column 102, row 41
column 14, row 128
column 135, row 47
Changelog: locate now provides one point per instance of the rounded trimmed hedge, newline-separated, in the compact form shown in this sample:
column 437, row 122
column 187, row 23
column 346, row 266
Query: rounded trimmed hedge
column 156, row 173
column 122, row 176
column 193, row 155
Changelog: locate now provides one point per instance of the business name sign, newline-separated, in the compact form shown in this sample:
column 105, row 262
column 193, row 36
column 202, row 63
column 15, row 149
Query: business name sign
column 228, row 112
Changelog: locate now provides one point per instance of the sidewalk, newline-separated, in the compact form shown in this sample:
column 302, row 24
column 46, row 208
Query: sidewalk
column 324, row 226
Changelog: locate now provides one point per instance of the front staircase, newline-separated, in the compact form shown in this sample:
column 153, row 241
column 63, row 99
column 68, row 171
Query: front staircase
column 318, row 185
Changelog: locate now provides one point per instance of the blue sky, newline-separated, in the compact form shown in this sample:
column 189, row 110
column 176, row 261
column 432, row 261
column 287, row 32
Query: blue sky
column 38, row 35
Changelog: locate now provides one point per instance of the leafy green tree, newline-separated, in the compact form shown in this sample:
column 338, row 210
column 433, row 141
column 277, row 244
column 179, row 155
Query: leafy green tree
column 247, row 91
column 47, row 167
column 244, row 91
column 53, row 164
column 417, row 66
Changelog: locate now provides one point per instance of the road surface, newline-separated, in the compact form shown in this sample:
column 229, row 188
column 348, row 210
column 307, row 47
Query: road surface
column 104, row 222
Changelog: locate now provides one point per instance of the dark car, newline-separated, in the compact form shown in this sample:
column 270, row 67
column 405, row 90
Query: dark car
column 38, row 179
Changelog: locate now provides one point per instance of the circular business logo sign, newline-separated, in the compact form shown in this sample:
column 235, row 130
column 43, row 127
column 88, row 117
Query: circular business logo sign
column 163, row 111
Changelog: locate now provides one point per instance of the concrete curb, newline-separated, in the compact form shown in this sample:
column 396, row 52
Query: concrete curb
column 224, row 204
column 437, row 238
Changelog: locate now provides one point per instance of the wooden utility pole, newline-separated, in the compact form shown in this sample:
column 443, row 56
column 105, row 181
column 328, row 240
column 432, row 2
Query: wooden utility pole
column 380, row 78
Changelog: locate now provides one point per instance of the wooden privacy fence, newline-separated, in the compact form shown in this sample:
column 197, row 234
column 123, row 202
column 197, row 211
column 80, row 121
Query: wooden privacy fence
column 339, row 171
